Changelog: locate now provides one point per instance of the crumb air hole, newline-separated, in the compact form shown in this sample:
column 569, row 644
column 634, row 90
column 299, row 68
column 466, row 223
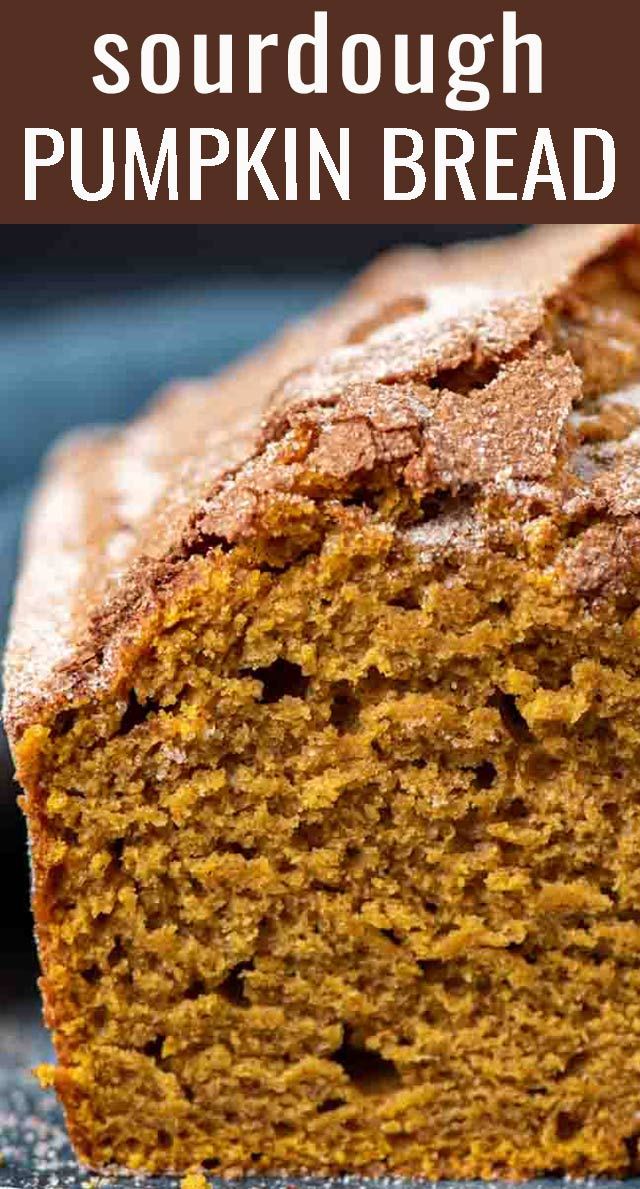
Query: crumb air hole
column 117, row 850
column 117, row 953
column 196, row 989
column 407, row 600
column 153, row 1048
column 485, row 775
column 368, row 1072
column 136, row 713
column 391, row 936
column 330, row 1104
column 232, row 988
column 345, row 709
column 63, row 723
column 516, row 810
column 511, row 717
column 567, row 1126
column 91, row 975
column 281, row 679
column 362, row 498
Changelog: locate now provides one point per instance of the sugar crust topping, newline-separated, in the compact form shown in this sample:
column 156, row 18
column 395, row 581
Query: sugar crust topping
column 365, row 385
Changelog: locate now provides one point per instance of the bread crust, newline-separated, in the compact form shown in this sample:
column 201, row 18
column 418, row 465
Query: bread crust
column 120, row 511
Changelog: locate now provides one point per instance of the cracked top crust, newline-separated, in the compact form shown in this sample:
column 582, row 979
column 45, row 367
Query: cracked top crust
column 444, row 370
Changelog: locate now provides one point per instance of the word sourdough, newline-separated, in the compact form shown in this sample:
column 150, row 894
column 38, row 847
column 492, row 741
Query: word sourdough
column 214, row 63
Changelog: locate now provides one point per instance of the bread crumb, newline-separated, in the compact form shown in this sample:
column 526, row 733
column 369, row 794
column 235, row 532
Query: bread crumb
column 194, row 1180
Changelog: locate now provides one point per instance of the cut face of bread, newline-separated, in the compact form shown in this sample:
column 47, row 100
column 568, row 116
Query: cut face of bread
column 330, row 757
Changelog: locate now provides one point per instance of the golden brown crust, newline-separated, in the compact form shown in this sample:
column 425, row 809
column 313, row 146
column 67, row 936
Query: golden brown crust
column 374, row 382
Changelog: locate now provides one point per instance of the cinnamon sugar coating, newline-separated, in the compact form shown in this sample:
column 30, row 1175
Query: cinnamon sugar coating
column 329, row 735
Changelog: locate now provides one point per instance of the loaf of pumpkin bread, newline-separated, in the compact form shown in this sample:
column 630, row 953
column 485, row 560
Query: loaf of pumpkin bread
column 323, row 688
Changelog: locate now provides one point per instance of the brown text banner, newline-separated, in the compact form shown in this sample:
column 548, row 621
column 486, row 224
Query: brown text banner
column 299, row 113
